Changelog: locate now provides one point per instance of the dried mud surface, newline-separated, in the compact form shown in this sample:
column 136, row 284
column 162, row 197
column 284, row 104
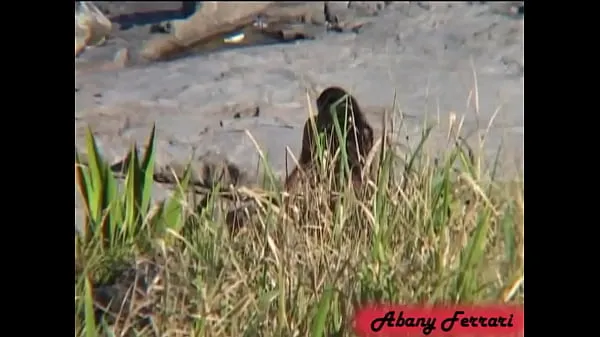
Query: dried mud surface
column 427, row 54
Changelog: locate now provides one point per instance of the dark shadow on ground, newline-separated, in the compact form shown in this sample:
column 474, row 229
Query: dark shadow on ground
column 127, row 21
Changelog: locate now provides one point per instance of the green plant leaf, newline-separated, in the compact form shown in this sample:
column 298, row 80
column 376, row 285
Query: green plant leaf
column 319, row 321
column 84, row 186
column 148, row 170
column 509, row 235
column 472, row 256
column 466, row 157
column 418, row 151
column 341, row 136
column 173, row 213
column 133, row 195
column 106, row 329
column 95, row 165
column 90, row 319
column 115, row 207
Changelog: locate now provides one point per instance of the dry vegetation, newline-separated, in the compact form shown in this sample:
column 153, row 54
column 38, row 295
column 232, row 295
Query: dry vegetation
column 423, row 231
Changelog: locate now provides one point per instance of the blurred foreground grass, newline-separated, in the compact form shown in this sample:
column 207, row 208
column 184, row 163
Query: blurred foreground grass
column 429, row 231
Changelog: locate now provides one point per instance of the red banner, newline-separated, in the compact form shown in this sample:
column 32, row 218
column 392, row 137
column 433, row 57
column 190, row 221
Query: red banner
column 460, row 321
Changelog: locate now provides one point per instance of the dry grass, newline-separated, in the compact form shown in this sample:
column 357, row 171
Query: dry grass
column 425, row 232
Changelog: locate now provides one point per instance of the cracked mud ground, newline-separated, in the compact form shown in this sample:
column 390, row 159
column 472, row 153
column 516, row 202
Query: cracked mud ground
column 424, row 53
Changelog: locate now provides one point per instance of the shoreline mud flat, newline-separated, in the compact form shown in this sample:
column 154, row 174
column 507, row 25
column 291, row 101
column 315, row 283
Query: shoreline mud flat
column 433, row 56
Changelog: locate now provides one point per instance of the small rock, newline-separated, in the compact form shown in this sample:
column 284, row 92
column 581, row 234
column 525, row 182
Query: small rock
column 162, row 48
column 122, row 58
column 160, row 28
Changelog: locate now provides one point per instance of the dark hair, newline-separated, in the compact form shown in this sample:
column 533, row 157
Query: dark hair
column 333, row 105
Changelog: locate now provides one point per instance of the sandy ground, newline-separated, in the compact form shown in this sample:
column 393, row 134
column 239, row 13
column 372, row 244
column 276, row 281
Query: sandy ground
column 433, row 56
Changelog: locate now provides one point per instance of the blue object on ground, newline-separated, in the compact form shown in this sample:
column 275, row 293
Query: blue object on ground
column 127, row 21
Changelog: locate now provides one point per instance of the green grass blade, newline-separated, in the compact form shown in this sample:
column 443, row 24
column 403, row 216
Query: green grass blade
column 90, row 319
column 96, row 169
column 467, row 158
column 320, row 319
column 341, row 137
column 106, row 330
column 173, row 212
column 383, row 176
column 132, row 190
column 82, row 180
column 509, row 235
column 443, row 195
column 147, row 167
column 109, row 198
column 115, row 207
column 417, row 152
column 473, row 255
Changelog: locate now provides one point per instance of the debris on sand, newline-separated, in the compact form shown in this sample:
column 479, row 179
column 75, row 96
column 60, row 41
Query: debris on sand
column 212, row 19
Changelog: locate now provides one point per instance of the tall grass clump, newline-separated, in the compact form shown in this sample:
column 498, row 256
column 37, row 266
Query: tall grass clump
column 422, row 230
